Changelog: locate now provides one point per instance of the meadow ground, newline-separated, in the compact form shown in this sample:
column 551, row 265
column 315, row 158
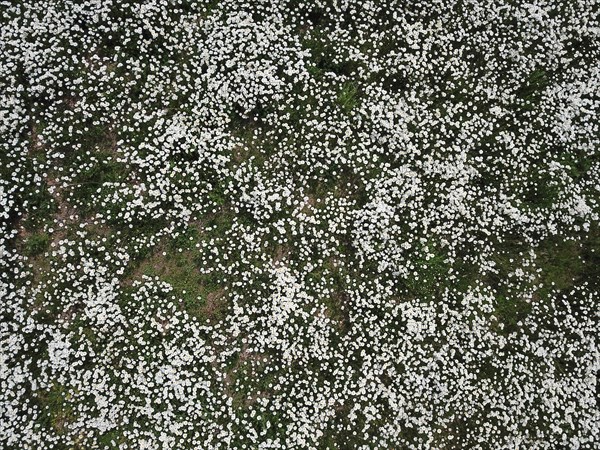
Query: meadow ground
column 299, row 224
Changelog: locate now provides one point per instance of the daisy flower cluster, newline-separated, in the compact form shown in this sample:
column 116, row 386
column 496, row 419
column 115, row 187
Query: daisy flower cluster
column 294, row 224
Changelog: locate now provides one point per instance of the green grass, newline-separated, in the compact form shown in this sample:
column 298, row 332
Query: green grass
column 36, row 244
column 202, row 296
column 348, row 97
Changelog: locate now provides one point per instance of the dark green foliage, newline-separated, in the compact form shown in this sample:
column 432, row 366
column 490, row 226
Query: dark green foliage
column 36, row 243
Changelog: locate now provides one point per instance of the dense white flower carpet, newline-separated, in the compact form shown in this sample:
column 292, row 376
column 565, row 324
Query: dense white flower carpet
column 341, row 224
